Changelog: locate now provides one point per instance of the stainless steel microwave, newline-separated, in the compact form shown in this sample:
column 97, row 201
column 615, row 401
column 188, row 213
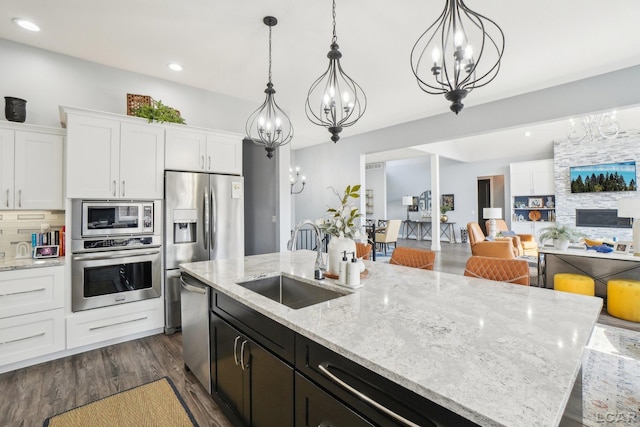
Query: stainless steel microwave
column 112, row 218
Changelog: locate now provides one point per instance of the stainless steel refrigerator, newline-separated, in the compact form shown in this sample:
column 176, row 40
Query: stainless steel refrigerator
column 204, row 220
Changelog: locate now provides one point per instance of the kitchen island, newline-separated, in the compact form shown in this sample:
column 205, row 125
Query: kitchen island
column 494, row 353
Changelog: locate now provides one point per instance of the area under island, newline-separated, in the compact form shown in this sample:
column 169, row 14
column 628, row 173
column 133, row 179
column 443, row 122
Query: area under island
column 495, row 354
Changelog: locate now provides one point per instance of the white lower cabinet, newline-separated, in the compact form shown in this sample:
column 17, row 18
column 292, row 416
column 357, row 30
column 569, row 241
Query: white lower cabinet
column 31, row 335
column 103, row 324
column 31, row 291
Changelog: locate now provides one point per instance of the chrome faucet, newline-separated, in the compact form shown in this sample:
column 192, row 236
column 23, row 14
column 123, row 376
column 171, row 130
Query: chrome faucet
column 320, row 266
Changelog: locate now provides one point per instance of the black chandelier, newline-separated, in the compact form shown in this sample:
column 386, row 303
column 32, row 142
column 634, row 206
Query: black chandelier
column 335, row 100
column 269, row 125
column 455, row 68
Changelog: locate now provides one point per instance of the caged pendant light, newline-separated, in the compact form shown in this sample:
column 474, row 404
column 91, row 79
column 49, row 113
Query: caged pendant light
column 335, row 100
column 459, row 52
column 269, row 125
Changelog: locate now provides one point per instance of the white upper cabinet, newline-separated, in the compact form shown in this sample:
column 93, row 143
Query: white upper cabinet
column 203, row 151
column 31, row 162
column 532, row 178
column 108, row 158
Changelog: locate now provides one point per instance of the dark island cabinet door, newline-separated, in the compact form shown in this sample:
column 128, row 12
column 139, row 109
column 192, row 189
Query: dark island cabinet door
column 315, row 407
column 228, row 380
column 255, row 385
column 270, row 398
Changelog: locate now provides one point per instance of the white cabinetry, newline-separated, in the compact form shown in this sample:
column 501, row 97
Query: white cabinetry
column 102, row 324
column 31, row 162
column 31, row 313
column 531, row 178
column 112, row 158
column 203, row 151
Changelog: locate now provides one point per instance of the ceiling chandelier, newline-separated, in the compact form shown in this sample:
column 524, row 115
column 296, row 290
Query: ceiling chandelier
column 335, row 100
column 464, row 49
column 269, row 125
column 603, row 125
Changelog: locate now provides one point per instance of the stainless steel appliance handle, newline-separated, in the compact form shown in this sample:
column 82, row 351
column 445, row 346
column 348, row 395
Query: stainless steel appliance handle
column 192, row 288
column 114, row 188
column 235, row 350
column 324, row 369
column 205, row 231
column 100, row 255
column 214, row 219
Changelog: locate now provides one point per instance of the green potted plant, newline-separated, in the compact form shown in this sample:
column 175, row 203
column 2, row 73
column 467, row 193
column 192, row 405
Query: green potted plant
column 443, row 213
column 157, row 111
column 561, row 236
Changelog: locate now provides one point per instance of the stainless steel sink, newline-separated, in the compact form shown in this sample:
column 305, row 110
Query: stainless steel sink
column 289, row 291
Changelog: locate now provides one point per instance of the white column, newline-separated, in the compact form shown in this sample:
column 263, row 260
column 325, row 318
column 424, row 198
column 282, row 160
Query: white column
column 435, row 202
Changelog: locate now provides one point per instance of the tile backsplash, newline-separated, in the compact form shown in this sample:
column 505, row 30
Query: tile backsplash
column 17, row 226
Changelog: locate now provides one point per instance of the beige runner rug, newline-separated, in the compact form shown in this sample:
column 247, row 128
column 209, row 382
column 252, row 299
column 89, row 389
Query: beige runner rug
column 154, row 404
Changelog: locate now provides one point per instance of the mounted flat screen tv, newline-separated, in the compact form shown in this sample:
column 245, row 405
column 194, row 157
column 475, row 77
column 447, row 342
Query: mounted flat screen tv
column 607, row 177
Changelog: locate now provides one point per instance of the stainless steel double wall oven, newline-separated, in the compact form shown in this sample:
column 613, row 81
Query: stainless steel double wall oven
column 116, row 252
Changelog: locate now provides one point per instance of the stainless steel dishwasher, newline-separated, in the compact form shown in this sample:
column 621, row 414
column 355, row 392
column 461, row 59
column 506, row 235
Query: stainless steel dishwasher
column 195, row 328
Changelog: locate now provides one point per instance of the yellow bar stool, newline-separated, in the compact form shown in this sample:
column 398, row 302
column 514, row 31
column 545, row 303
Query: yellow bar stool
column 575, row 283
column 623, row 299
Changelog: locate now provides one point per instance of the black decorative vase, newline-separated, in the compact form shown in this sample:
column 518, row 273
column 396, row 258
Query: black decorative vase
column 15, row 109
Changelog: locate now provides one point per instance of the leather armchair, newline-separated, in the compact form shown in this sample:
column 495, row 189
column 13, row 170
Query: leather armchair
column 526, row 243
column 481, row 247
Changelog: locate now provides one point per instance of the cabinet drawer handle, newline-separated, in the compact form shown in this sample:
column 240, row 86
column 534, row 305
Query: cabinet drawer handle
column 324, row 369
column 114, row 188
column 202, row 162
column 23, row 339
column 7, row 197
column 23, row 292
column 242, row 365
column 119, row 323
column 235, row 350
column 19, row 198
column 123, row 188
column 209, row 162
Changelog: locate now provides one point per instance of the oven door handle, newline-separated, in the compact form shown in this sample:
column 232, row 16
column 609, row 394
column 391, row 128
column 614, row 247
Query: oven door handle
column 99, row 257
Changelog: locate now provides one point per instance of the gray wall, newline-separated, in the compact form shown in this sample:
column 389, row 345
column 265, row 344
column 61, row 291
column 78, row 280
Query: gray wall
column 406, row 178
column 338, row 164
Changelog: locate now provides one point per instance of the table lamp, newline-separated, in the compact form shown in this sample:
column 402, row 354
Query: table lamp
column 492, row 214
column 407, row 201
column 630, row 208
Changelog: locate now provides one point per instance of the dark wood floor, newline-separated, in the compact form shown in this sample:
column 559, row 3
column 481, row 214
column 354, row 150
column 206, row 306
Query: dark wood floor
column 28, row 396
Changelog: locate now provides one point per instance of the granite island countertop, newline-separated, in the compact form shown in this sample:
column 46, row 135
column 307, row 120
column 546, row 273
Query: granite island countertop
column 495, row 353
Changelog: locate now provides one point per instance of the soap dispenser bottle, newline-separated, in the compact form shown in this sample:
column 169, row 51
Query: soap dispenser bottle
column 342, row 269
column 353, row 269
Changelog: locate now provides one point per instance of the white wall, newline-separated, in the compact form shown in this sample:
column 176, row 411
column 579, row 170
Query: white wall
column 406, row 178
column 375, row 179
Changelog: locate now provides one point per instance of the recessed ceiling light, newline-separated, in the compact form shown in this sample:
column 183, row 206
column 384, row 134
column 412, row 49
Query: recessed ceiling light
column 527, row 133
column 27, row 25
column 175, row 66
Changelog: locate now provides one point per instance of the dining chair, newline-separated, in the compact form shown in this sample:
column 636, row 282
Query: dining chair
column 389, row 234
column 413, row 257
column 363, row 250
column 514, row 271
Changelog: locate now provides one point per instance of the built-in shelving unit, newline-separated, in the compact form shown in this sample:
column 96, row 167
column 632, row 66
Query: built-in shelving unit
column 369, row 201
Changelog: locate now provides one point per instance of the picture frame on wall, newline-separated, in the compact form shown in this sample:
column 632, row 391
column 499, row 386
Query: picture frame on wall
column 448, row 200
column 535, row 202
column 622, row 247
